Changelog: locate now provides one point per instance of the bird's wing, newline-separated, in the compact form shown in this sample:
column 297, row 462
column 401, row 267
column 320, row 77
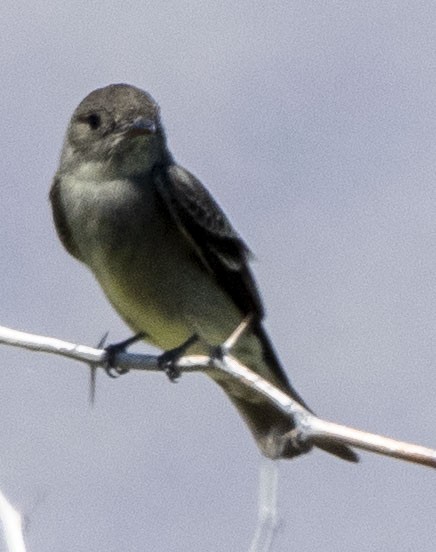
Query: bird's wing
column 226, row 257
column 218, row 246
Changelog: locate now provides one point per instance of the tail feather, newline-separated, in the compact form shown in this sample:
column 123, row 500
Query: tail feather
column 264, row 420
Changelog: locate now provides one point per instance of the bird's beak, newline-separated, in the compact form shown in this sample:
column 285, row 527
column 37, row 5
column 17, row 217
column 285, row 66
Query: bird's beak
column 140, row 127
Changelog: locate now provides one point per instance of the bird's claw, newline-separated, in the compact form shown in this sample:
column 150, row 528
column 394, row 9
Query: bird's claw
column 113, row 350
column 167, row 361
column 114, row 371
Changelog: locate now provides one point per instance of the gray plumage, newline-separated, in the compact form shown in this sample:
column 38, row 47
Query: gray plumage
column 161, row 248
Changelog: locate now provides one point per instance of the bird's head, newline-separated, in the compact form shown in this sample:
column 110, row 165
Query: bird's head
column 117, row 126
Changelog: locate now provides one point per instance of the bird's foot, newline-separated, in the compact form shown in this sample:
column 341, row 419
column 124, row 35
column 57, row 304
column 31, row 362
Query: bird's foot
column 112, row 351
column 167, row 361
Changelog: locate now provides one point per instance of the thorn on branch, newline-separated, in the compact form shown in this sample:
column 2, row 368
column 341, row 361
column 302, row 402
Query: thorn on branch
column 231, row 341
column 93, row 373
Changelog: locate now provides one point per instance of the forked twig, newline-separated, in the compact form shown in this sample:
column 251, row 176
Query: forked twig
column 308, row 427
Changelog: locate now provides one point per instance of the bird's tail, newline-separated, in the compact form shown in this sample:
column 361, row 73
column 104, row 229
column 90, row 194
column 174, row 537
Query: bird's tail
column 266, row 422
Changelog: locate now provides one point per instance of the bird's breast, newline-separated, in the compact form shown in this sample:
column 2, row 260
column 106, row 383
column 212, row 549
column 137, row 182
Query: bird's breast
column 145, row 264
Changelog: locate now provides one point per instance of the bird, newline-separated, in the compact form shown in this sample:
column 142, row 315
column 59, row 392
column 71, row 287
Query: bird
column 164, row 252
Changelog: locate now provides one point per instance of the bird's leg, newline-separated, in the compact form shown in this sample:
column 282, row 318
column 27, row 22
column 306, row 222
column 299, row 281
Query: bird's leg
column 167, row 360
column 112, row 351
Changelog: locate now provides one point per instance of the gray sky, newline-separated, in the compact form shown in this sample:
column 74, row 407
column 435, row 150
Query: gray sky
column 314, row 125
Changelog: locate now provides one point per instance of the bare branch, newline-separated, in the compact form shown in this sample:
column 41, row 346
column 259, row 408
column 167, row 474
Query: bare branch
column 267, row 522
column 323, row 431
column 309, row 428
column 12, row 526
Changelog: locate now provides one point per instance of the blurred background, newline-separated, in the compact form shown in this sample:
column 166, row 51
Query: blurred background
column 314, row 125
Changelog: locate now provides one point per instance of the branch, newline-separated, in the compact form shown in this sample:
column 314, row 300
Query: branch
column 309, row 429
column 267, row 522
column 12, row 526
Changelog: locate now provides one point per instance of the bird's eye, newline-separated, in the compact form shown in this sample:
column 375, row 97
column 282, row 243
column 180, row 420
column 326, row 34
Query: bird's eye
column 93, row 120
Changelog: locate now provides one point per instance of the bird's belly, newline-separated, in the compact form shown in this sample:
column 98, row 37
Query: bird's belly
column 169, row 300
column 146, row 310
column 146, row 267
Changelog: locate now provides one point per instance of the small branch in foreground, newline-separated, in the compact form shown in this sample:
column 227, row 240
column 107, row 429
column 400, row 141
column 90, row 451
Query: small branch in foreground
column 268, row 520
column 12, row 526
column 308, row 428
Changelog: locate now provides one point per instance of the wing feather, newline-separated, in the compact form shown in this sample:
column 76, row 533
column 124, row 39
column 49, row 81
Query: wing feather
column 215, row 241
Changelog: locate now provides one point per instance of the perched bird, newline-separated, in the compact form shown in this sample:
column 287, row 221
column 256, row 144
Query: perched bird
column 161, row 248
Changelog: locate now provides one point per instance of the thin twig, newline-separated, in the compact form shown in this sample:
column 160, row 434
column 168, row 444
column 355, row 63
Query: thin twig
column 308, row 427
column 12, row 526
column 231, row 341
column 267, row 522
column 321, row 431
